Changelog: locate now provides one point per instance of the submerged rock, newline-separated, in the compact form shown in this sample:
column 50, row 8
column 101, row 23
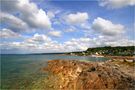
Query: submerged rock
column 77, row 75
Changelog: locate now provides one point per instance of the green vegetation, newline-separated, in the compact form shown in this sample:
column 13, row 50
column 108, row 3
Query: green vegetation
column 108, row 50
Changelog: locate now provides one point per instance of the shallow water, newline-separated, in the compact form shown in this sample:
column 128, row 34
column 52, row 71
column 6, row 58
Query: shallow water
column 21, row 71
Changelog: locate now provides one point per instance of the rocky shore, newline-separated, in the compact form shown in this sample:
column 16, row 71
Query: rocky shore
column 80, row 75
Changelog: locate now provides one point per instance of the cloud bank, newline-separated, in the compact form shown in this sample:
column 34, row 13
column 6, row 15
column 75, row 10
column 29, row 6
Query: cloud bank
column 77, row 18
column 44, row 30
column 29, row 13
column 107, row 27
column 115, row 4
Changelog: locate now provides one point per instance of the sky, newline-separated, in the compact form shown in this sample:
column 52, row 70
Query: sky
column 48, row 26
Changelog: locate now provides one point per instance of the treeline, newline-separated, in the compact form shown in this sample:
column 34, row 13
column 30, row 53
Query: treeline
column 108, row 50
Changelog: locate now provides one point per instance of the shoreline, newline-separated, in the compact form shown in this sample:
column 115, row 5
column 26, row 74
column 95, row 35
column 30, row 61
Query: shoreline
column 70, row 74
column 121, row 57
column 132, row 58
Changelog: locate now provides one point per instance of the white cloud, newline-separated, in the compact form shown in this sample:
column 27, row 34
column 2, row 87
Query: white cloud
column 77, row 18
column 7, row 33
column 106, row 27
column 55, row 33
column 29, row 13
column 40, row 43
column 113, row 41
column 70, row 30
column 13, row 22
column 85, row 26
column 51, row 14
column 113, row 4
column 122, row 42
column 8, row 5
column 80, row 44
column 38, row 38
column 35, row 17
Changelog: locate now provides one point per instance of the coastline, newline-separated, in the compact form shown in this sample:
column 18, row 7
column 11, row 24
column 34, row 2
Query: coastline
column 122, row 58
column 80, row 75
column 50, row 75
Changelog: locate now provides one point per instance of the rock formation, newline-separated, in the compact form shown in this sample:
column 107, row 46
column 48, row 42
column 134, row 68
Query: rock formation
column 78, row 75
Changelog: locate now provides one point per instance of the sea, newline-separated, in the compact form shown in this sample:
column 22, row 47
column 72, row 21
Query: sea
column 21, row 71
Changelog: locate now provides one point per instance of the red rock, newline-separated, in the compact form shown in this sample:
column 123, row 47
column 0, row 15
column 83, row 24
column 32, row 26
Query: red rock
column 76, row 75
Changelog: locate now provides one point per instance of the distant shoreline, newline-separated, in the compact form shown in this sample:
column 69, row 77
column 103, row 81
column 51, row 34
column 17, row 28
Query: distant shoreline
column 107, row 50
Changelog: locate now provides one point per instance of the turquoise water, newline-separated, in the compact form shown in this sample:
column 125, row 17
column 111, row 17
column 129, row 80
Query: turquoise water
column 20, row 71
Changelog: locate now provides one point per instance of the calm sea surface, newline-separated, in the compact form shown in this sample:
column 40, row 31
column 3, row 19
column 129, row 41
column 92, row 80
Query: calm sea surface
column 20, row 71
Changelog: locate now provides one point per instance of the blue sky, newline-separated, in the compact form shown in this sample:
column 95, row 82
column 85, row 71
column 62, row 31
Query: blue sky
column 42, row 26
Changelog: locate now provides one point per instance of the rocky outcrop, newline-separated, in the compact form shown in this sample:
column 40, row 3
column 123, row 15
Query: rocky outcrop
column 77, row 75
